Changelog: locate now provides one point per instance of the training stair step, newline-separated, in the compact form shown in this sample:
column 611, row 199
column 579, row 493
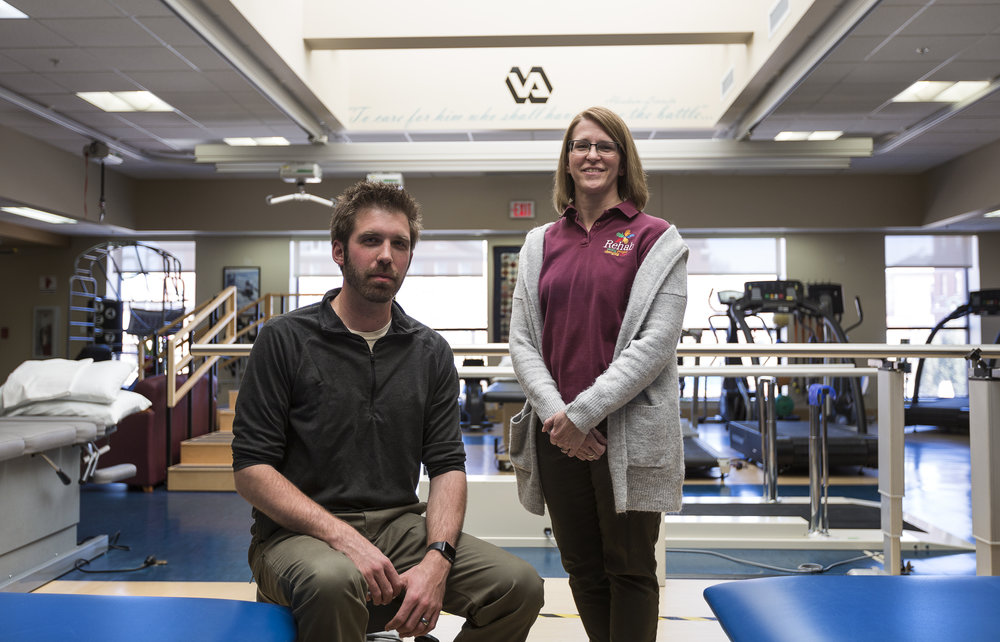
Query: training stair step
column 212, row 448
column 226, row 419
column 200, row 477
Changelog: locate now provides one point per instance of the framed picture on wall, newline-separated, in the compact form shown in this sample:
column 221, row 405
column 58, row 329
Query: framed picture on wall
column 247, row 283
column 45, row 332
column 504, row 278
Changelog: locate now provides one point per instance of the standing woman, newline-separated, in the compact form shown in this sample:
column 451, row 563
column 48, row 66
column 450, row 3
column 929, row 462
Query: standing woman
column 597, row 315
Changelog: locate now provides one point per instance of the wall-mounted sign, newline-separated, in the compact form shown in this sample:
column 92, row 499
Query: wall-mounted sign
column 522, row 209
column 47, row 283
column 392, row 178
column 534, row 88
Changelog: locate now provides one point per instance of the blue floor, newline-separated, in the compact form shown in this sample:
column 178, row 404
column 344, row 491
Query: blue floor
column 203, row 536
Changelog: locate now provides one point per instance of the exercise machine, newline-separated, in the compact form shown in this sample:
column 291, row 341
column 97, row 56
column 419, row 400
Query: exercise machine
column 818, row 309
column 951, row 413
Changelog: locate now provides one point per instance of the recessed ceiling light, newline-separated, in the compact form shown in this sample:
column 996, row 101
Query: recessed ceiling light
column 9, row 12
column 792, row 135
column 38, row 215
column 264, row 141
column 939, row 91
column 124, row 101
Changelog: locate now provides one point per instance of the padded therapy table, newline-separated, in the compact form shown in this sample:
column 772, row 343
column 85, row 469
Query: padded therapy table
column 878, row 608
column 43, row 617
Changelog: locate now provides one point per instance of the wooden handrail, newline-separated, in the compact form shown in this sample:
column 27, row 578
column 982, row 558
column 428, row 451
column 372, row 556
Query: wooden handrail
column 222, row 332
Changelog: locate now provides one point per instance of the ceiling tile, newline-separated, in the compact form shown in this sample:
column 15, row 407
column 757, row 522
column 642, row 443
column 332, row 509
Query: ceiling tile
column 955, row 19
column 173, row 31
column 40, row 9
column 886, row 19
column 906, row 48
column 55, row 59
column 228, row 80
column 8, row 65
column 30, row 84
column 143, row 8
column 21, row 33
column 166, row 81
column 204, row 58
column 101, row 32
column 105, row 81
column 130, row 59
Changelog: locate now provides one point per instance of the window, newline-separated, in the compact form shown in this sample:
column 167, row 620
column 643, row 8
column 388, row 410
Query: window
column 716, row 265
column 445, row 287
column 926, row 278
column 139, row 276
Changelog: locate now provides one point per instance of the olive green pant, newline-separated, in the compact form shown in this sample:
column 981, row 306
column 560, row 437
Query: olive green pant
column 497, row 593
column 610, row 557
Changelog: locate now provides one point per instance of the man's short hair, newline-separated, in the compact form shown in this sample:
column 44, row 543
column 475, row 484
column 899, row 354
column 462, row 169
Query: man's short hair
column 365, row 194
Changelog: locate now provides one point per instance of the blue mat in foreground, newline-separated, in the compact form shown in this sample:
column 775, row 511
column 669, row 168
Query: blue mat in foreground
column 862, row 608
column 43, row 617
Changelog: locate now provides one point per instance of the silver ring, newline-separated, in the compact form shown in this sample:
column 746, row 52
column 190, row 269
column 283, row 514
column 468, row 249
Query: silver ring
column 424, row 621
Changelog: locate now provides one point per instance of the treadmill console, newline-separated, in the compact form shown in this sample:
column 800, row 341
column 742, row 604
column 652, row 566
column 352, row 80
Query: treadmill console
column 773, row 296
column 984, row 302
column 827, row 296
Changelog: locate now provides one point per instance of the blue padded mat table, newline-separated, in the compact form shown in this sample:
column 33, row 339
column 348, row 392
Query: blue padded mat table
column 45, row 617
column 859, row 608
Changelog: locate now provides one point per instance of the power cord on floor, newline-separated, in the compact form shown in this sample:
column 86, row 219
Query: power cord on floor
column 806, row 568
column 149, row 561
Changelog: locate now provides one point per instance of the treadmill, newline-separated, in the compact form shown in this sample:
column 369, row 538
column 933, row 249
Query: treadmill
column 848, row 440
column 950, row 413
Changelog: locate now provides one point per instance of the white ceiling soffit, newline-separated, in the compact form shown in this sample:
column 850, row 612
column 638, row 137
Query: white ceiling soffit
column 536, row 156
column 392, row 68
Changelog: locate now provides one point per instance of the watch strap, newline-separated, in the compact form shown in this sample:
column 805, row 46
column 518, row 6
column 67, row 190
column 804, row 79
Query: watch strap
column 446, row 549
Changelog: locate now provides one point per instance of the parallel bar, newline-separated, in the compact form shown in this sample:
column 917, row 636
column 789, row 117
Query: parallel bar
column 816, row 350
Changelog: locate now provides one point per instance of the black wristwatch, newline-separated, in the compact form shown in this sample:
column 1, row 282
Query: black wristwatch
column 445, row 549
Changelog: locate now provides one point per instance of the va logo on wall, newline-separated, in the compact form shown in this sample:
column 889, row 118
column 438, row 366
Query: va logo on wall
column 534, row 88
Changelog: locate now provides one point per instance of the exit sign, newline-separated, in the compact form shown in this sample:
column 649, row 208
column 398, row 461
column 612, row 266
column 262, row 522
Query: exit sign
column 522, row 209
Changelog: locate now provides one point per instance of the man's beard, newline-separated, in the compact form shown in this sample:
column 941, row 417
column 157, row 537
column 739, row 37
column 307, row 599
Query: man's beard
column 373, row 291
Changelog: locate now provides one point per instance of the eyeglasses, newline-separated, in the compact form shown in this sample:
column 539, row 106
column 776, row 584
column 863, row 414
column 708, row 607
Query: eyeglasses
column 604, row 147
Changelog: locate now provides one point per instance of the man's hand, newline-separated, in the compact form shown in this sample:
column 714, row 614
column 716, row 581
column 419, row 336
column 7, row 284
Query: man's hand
column 384, row 584
column 421, row 606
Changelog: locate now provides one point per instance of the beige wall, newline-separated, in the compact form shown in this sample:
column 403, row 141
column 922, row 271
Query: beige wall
column 50, row 179
column 269, row 253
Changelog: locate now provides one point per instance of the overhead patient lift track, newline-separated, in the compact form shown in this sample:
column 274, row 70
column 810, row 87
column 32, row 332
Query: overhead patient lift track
column 847, row 445
column 949, row 412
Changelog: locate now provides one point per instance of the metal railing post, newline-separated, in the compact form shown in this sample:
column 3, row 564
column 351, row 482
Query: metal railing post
column 819, row 471
column 984, row 446
column 891, row 458
column 766, row 389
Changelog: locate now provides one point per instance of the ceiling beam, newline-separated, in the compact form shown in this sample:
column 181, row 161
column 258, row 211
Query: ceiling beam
column 537, row 156
column 532, row 40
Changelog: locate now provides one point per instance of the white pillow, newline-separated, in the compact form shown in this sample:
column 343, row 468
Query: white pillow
column 100, row 381
column 82, row 380
column 108, row 414
column 41, row 380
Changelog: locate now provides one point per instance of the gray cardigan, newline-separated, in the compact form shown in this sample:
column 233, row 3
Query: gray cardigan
column 638, row 393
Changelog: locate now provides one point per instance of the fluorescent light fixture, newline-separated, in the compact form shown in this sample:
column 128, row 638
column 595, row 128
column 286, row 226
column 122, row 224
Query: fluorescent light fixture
column 124, row 101
column 38, row 215
column 9, row 12
column 792, row 136
column 825, row 135
column 262, row 141
column 993, row 214
column 940, row 91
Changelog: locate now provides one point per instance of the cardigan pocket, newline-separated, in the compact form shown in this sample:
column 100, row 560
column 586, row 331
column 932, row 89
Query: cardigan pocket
column 520, row 431
column 645, row 436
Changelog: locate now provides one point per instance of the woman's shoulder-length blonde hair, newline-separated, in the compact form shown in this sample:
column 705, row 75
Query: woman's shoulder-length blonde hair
column 631, row 184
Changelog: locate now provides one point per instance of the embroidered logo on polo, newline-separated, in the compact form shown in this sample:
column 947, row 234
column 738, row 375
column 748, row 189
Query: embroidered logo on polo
column 621, row 245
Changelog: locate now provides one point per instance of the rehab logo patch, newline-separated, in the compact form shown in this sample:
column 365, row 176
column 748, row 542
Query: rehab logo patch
column 621, row 245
